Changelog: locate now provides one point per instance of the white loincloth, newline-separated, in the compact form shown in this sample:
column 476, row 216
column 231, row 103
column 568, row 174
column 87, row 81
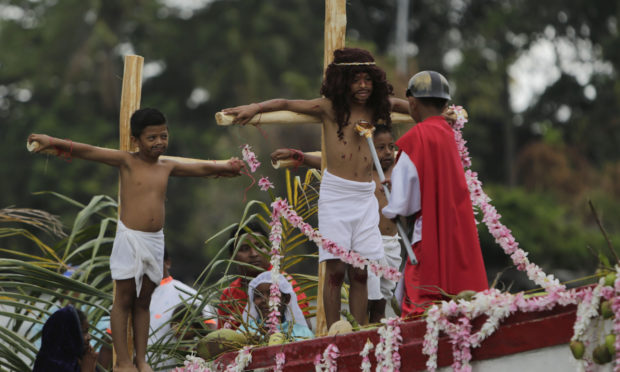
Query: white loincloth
column 381, row 288
column 137, row 253
column 349, row 216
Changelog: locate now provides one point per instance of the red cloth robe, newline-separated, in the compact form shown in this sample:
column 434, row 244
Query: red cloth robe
column 449, row 252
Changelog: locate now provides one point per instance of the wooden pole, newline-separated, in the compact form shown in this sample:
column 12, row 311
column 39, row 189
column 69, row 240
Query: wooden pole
column 130, row 101
column 335, row 32
column 293, row 118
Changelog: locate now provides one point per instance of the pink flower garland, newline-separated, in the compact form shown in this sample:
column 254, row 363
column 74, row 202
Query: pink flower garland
column 250, row 157
column 244, row 357
column 281, row 208
column 496, row 305
column 386, row 352
column 264, row 184
column 329, row 361
column 280, row 360
column 193, row 364
column 275, row 237
column 615, row 307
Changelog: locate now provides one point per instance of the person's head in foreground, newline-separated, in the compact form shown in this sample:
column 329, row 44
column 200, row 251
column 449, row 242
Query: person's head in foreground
column 428, row 93
column 64, row 341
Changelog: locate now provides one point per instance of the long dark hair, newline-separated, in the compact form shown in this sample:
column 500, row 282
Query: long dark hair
column 337, row 86
column 62, row 342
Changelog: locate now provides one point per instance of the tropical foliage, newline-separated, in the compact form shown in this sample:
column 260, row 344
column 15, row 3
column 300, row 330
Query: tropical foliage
column 74, row 269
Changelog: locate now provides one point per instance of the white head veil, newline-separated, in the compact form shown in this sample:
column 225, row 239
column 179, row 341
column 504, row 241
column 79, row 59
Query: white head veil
column 292, row 313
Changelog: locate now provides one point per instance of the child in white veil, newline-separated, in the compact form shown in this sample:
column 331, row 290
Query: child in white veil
column 292, row 319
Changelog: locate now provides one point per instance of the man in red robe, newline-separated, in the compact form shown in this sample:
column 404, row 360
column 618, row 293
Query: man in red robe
column 428, row 183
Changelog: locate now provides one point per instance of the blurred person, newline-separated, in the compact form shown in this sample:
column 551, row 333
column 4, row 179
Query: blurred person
column 251, row 257
column 65, row 343
column 168, row 296
column 292, row 322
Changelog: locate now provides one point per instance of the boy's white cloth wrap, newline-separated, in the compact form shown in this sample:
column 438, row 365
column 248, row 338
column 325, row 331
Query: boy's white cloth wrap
column 349, row 216
column 137, row 253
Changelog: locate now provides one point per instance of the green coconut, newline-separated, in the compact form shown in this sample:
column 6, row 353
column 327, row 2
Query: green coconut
column 610, row 279
column 610, row 342
column 606, row 310
column 220, row 341
column 601, row 355
column 577, row 348
column 277, row 338
column 340, row 327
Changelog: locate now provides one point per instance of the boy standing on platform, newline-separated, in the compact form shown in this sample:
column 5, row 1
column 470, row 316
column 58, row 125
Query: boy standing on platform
column 136, row 262
column 381, row 290
column 428, row 183
column 355, row 90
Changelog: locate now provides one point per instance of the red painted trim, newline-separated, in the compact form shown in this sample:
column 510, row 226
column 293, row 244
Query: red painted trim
column 519, row 332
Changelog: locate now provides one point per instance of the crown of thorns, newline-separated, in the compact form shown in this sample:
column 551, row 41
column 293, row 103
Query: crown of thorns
column 354, row 64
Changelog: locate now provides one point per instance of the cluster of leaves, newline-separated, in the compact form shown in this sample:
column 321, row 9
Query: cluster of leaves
column 75, row 269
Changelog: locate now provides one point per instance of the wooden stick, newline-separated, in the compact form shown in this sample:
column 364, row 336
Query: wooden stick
column 274, row 117
column 34, row 146
column 192, row 160
column 334, row 38
column 293, row 118
column 131, row 94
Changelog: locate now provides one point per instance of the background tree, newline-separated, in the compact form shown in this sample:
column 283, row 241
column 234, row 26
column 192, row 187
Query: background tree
column 61, row 66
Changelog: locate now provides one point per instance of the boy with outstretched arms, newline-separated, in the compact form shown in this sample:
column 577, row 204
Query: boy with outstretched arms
column 355, row 90
column 380, row 290
column 136, row 262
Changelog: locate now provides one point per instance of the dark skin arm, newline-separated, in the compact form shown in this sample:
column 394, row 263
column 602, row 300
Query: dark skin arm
column 310, row 161
column 316, row 107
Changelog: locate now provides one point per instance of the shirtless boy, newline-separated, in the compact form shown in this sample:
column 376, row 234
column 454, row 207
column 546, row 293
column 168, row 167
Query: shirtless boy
column 354, row 90
column 380, row 290
column 136, row 262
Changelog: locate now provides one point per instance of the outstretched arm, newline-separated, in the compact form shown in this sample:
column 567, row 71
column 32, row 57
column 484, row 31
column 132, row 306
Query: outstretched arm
column 78, row 150
column 243, row 114
column 310, row 161
column 232, row 168
column 399, row 105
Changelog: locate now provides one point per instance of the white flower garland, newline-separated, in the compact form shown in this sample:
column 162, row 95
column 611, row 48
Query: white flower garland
column 366, row 365
column 386, row 351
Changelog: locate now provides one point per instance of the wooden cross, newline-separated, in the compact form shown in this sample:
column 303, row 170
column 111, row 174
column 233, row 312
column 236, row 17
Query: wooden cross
column 335, row 32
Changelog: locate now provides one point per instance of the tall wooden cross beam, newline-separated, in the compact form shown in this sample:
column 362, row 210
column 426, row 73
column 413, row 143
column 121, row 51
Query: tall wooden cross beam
column 335, row 32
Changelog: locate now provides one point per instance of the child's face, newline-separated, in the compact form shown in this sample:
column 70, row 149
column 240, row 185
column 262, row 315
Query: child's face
column 153, row 140
column 361, row 87
column 261, row 300
column 384, row 144
column 248, row 253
